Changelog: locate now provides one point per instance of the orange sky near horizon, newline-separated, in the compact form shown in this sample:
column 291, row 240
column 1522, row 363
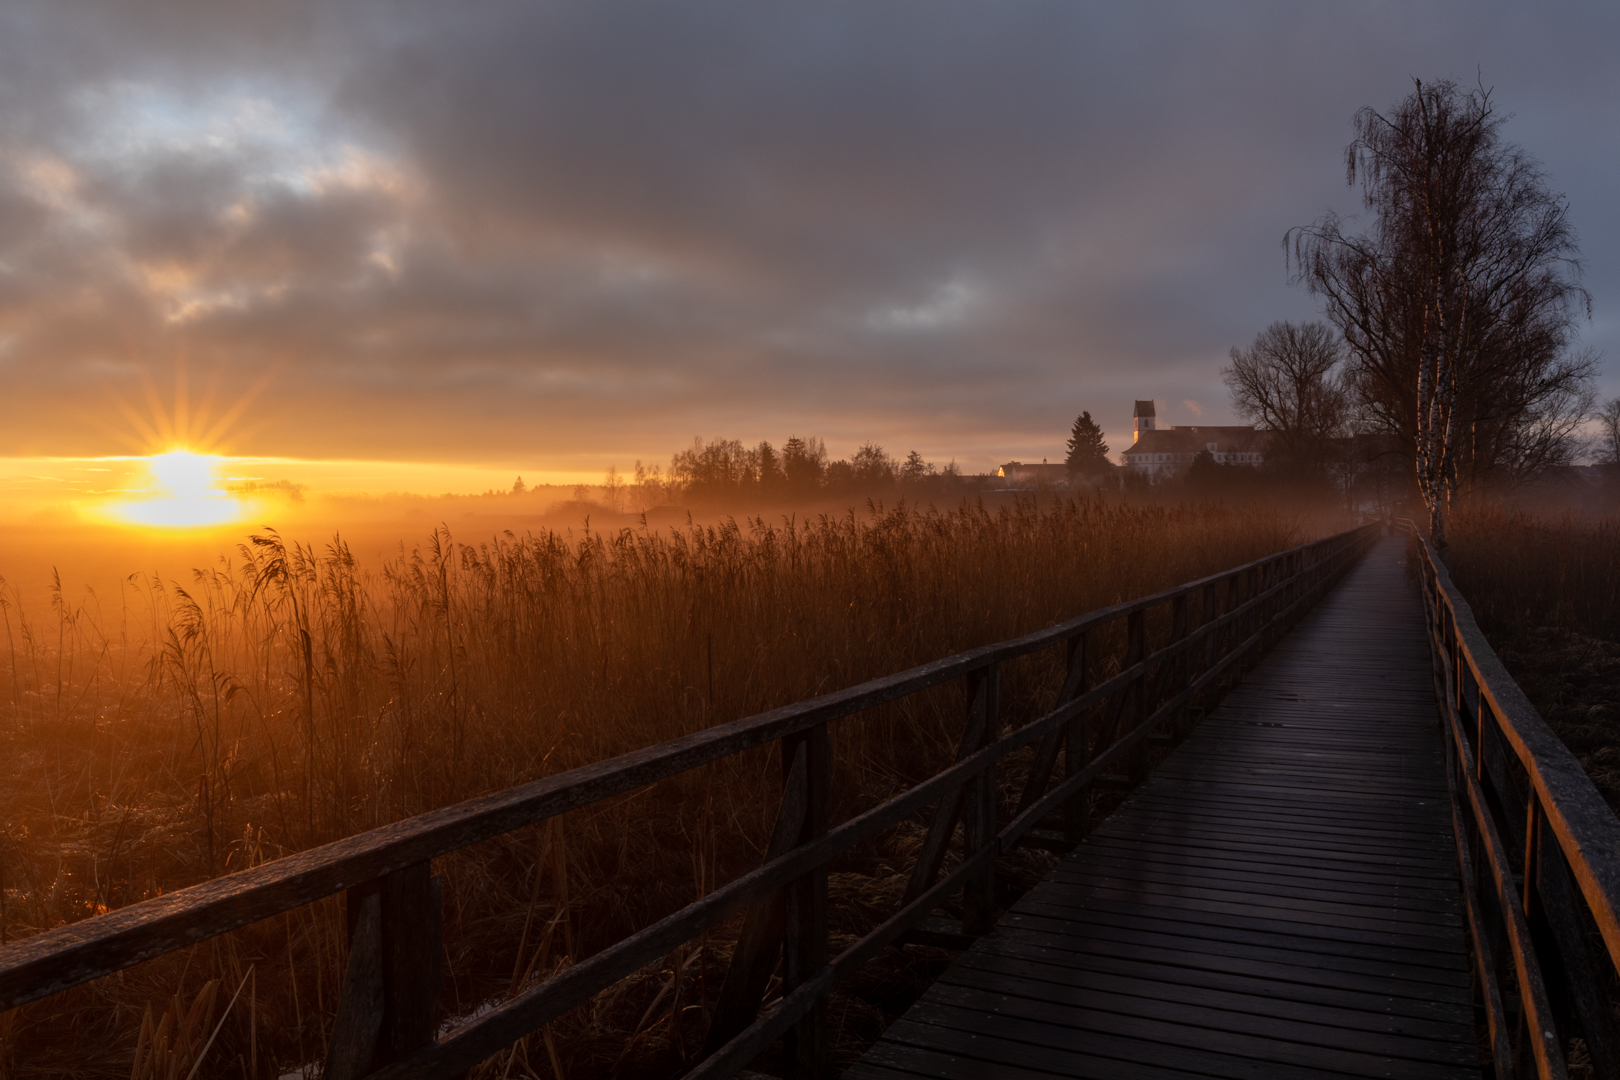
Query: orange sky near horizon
column 29, row 485
column 91, row 523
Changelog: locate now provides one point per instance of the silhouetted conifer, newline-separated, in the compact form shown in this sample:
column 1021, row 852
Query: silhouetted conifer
column 1088, row 454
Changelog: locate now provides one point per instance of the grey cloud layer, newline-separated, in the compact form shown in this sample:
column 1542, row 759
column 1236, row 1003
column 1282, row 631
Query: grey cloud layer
column 570, row 232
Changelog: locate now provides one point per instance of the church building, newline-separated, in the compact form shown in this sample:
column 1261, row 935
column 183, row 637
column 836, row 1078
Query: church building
column 1162, row 452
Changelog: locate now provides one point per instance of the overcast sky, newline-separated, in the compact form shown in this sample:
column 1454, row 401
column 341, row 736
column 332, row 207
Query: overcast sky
column 563, row 236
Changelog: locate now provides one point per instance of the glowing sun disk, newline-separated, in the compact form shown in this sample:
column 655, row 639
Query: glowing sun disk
column 186, row 494
column 185, row 475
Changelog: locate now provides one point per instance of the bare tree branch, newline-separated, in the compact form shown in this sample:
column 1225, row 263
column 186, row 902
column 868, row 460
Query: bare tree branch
column 1288, row 383
column 1459, row 304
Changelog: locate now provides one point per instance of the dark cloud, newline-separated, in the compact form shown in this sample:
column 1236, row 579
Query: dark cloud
column 566, row 234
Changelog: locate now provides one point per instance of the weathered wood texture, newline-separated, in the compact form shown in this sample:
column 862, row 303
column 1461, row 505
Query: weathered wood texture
column 1539, row 850
column 1280, row 899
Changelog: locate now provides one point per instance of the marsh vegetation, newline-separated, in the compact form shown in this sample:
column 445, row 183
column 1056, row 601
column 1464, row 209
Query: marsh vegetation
column 291, row 695
column 1546, row 591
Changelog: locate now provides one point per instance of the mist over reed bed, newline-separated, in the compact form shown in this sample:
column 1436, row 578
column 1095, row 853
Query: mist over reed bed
column 1546, row 592
column 289, row 696
column 1521, row 570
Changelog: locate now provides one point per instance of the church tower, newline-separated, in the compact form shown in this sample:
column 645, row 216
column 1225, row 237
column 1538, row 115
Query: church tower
column 1141, row 419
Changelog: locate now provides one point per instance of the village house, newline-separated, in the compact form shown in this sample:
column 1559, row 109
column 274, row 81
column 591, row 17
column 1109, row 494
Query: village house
column 1159, row 453
column 1016, row 474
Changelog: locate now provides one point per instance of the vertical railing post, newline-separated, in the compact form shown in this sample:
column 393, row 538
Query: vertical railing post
column 1531, row 854
column 1135, row 703
column 1181, row 665
column 1268, row 577
column 1069, row 739
column 1455, row 646
column 1551, row 909
column 1248, row 589
column 1212, row 610
column 964, row 800
column 1232, row 636
column 979, row 817
column 1279, row 573
column 412, row 910
column 391, row 986
column 1262, row 610
column 805, row 940
column 1476, row 717
column 760, row 943
column 1242, row 626
column 1075, row 738
column 1285, row 598
column 1285, row 582
column 1296, row 580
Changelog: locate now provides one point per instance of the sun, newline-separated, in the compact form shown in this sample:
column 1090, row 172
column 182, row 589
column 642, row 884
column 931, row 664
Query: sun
column 183, row 493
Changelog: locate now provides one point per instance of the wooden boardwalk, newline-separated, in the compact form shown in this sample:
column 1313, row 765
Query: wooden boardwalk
column 1279, row 899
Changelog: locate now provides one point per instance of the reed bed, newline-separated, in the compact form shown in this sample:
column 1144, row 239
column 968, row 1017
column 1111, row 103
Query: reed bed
column 1546, row 591
column 1522, row 570
column 288, row 696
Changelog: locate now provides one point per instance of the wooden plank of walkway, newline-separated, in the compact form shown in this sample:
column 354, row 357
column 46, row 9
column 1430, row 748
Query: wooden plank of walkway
column 1278, row 901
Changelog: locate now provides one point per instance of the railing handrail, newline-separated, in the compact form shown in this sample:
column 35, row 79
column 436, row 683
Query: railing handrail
column 1587, row 829
column 56, row 960
column 1533, row 835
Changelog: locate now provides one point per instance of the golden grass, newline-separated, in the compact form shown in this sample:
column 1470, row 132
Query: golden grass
column 288, row 697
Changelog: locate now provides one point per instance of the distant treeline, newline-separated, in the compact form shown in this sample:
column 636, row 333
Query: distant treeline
column 724, row 469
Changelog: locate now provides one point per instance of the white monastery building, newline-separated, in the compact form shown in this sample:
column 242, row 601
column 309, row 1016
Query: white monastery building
column 1159, row 453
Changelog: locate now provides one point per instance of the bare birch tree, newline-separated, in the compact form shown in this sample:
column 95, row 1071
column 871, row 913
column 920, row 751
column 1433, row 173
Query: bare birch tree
column 1459, row 304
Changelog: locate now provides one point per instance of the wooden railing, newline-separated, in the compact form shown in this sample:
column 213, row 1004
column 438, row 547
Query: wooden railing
column 1537, row 847
column 386, row 1024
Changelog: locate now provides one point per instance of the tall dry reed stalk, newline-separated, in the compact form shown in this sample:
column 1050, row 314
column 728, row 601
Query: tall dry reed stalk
column 1521, row 570
column 1546, row 592
column 288, row 697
